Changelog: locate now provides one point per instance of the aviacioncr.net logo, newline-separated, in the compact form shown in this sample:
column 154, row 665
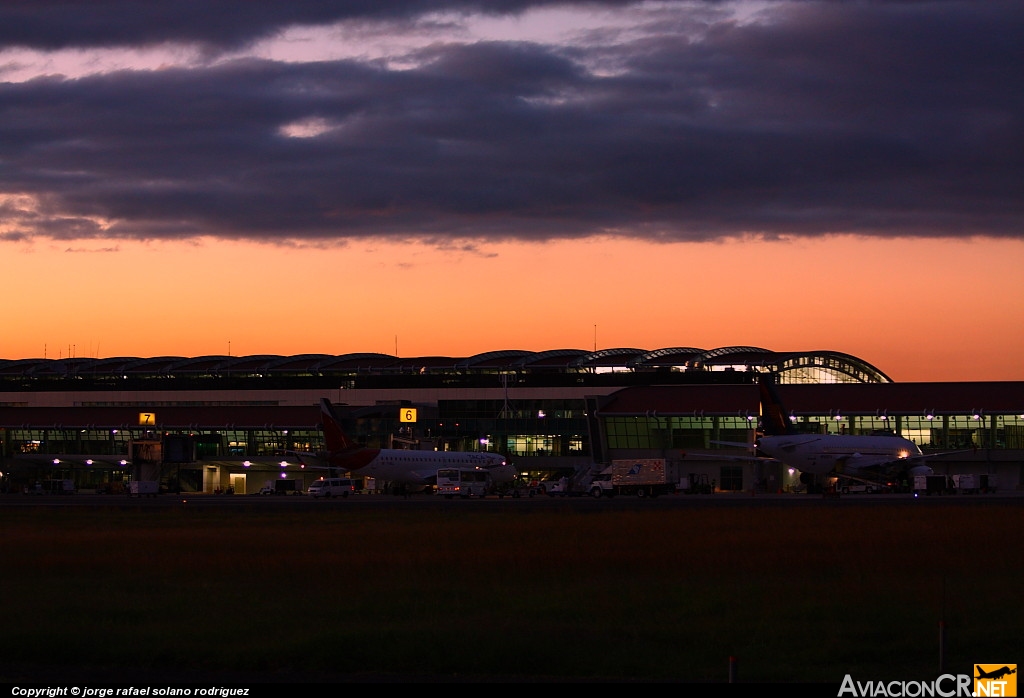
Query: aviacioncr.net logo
column 946, row 686
column 995, row 680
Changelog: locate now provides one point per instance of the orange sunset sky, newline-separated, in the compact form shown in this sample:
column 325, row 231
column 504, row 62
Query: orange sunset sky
column 917, row 310
column 448, row 178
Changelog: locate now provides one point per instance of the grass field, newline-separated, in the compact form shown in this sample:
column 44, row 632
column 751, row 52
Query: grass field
column 794, row 594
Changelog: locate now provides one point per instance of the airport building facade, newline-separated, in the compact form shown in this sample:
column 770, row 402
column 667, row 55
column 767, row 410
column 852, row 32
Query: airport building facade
column 221, row 423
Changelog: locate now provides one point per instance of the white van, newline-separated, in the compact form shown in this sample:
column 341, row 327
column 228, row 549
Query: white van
column 332, row 487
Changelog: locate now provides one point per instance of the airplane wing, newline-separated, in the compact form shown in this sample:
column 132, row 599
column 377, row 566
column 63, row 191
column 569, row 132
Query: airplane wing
column 858, row 461
column 284, row 459
column 887, row 469
column 753, row 447
column 426, row 477
column 310, row 461
column 736, row 444
column 917, row 465
column 723, row 456
column 896, row 463
column 923, row 456
column 732, row 456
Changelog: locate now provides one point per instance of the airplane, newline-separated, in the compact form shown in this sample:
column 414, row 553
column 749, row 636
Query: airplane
column 995, row 673
column 408, row 468
column 869, row 458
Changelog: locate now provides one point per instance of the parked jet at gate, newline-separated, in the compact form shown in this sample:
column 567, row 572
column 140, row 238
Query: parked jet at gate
column 871, row 457
column 400, row 466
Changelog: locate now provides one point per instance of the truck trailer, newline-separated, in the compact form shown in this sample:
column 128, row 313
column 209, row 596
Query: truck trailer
column 639, row 477
column 143, row 488
column 282, row 486
column 931, row 484
column 974, row 483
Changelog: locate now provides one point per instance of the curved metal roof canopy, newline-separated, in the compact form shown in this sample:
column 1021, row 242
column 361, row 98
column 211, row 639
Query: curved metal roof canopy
column 791, row 367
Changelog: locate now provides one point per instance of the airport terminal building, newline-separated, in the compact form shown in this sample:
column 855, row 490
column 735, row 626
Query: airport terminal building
column 222, row 423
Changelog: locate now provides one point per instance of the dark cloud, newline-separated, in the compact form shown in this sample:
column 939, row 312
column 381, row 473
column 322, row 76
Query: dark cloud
column 896, row 118
column 224, row 24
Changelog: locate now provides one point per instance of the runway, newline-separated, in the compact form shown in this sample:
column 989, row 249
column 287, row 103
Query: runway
column 493, row 503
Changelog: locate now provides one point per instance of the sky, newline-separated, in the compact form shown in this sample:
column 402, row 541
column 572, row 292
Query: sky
column 451, row 177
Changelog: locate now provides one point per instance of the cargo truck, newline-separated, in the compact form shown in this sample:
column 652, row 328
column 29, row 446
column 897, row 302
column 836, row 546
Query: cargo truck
column 58, row 486
column 143, row 488
column 601, row 484
column 282, row 487
column 51, row 487
column 639, row 477
column 974, row 483
column 930, row 484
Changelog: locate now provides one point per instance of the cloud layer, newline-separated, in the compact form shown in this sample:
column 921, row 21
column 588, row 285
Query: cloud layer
column 667, row 121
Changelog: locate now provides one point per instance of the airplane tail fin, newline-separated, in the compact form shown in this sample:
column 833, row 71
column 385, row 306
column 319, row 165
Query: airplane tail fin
column 335, row 438
column 774, row 419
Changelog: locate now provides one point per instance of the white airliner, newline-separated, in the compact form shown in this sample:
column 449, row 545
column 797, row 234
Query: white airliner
column 872, row 457
column 397, row 465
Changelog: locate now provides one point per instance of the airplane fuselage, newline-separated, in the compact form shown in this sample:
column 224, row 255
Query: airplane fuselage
column 403, row 466
column 821, row 454
column 420, row 467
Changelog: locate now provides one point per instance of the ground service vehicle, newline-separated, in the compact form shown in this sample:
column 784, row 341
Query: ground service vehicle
column 640, row 477
column 562, row 487
column 601, row 485
column 974, row 483
column 51, row 487
column 930, row 484
column 143, row 488
column 695, row 483
column 463, row 482
column 282, row 487
column 332, row 487
column 853, row 485
column 58, row 486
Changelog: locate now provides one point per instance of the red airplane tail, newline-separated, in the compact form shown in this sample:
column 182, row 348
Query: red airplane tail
column 342, row 452
column 335, row 438
column 774, row 419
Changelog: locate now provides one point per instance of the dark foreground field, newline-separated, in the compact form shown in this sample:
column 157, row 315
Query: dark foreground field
column 793, row 594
